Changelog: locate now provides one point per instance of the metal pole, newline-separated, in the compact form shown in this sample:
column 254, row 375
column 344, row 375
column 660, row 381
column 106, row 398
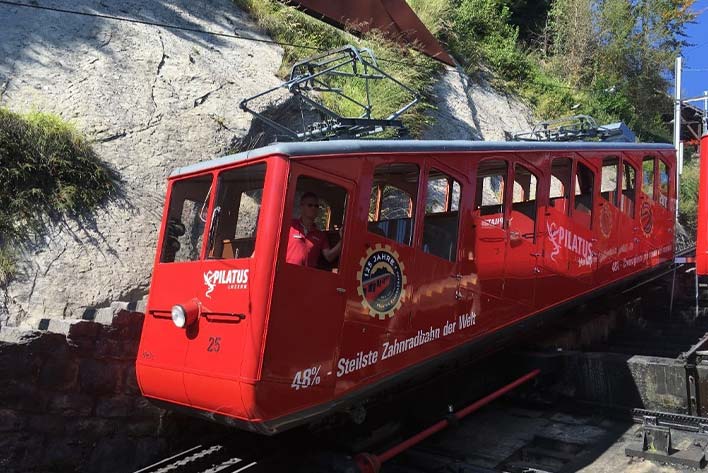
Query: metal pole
column 369, row 463
column 677, row 126
column 705, row 111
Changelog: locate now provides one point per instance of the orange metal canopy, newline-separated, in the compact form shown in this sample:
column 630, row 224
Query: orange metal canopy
column 393, row 17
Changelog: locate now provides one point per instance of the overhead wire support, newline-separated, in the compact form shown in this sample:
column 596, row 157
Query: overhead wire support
column 576, row 128
column 312, row 79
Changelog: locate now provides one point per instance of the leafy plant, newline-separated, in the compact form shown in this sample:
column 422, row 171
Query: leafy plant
column 48, row 170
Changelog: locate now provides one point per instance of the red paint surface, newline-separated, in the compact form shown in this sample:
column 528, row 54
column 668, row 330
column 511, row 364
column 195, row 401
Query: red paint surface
column 300, row 318
column 702, row 236
column 392, row 17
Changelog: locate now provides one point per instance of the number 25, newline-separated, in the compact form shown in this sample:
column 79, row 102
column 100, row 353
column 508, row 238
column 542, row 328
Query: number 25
column 214, row 344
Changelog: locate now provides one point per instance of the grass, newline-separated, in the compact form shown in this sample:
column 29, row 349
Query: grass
column 688, row 195
column 417, row 71
column 48, row 170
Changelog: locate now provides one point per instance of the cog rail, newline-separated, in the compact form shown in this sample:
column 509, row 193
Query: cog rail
column 321, row 86
column 203, row 459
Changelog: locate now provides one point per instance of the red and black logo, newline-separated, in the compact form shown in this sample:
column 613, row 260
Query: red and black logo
column 381, row 282
column 646, row 218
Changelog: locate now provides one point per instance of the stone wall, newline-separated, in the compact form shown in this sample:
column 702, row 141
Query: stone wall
column 70, row 402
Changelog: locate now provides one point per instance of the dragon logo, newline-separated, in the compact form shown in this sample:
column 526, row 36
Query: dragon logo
column 210, row 282
column 232, row 278
column 381, row 282
column 553, row 232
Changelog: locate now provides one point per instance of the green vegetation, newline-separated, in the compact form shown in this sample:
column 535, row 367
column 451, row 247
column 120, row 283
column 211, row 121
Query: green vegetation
column 688, row 196
column 288, row 25
column 611, row 59
column 48, row 171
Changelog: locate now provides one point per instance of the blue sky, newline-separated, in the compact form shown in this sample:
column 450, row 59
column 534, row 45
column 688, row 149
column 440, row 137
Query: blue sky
column 696, row 57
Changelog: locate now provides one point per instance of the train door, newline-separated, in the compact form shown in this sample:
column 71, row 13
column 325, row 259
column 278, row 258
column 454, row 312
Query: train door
column 649, row 210
column 665, row 212
column 629, row 232
column 490, row 237
column 380, row 307
column 175, row 280
column 555, row 283
column 579, row 238
column 309, row 295
column 607, row 232
column 522, row 253
column 443, row 295
column 216, row 343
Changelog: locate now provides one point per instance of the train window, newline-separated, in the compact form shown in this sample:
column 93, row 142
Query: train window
column 628, row 188
column 648, row 176
column 664, row 178
column 455, row 196
column 523, row 208
column 441, row 215
column 236, row 211
column 316, row 224
column 392, row 202
column 489, row 201
column 584, row 185
column 559, row 196
column 608, row 185
column 186, row 217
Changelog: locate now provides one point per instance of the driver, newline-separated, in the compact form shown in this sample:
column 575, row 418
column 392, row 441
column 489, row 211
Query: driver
column 306, row 242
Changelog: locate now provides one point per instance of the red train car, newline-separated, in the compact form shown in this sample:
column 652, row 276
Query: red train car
column 444, row 249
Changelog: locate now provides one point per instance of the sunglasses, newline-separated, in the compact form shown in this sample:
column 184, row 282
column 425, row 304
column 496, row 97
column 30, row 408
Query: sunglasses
column 311, row 205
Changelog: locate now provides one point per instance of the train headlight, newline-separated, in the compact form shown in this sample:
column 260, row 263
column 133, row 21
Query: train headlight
column 179, row 316
column 187, row 313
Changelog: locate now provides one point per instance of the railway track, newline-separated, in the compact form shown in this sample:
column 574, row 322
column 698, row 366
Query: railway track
column 207, row 458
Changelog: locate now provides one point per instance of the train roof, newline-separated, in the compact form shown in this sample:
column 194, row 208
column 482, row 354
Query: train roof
column 343, row 147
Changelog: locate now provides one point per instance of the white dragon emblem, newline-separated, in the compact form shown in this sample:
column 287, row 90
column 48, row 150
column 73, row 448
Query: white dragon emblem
column 553, row 236
column 210, row 282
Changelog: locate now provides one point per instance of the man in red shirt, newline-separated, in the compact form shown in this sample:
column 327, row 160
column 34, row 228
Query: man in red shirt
column 306, row 242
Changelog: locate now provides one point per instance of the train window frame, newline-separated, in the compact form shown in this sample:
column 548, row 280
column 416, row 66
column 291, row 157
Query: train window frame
column 632, row 209
column 379, row 226
column 652, row 185
column 501, row 197
column 323, row 187
column 449, row 207
column 224, row 242
column 567, row 187
column 175, row 229
column 589, row 206
column 605, row 178
column 663, row 198
column 534, row 185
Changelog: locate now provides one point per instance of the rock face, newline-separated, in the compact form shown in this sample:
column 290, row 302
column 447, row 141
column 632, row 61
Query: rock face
column 153, row 99
column 474, row 110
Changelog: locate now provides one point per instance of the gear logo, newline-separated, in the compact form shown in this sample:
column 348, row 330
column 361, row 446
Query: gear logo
column 381, row 281
column 606, row 221
column 646, row 218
